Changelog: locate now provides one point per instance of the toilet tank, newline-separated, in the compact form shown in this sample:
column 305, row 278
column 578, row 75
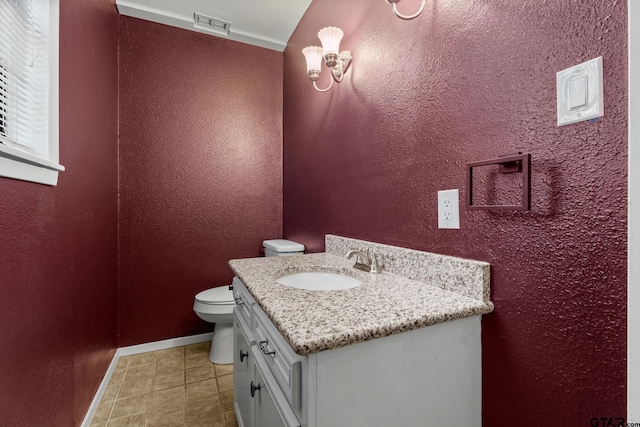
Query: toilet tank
column 282, row 247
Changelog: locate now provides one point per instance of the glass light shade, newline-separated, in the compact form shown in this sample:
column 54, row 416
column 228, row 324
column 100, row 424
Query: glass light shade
column 330, row 38
column 313, row 55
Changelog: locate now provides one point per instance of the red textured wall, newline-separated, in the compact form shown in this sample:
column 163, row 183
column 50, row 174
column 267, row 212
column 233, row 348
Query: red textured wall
column 469, row 81
column 200, row 170
column 58, row 258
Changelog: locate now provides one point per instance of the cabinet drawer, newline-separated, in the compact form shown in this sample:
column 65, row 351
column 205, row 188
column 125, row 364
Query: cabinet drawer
column 244, row 301
column 283, row 363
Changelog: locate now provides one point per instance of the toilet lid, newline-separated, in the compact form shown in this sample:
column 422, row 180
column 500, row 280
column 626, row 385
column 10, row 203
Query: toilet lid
column 282, row 245
column 220, row 295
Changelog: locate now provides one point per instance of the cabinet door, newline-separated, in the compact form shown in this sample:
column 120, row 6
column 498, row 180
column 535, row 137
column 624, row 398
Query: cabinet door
column 242, row 373
column 283, row 363
column 271, row 408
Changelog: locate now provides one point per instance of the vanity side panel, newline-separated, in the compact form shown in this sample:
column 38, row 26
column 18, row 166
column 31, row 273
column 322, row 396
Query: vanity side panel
column 426, row 377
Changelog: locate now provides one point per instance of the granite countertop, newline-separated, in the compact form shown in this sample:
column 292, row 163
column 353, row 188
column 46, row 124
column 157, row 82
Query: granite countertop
column 385, row 304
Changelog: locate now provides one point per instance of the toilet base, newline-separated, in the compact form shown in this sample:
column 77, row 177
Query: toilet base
column 222, row 344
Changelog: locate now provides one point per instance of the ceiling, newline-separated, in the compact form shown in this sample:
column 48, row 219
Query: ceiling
column 264, row 23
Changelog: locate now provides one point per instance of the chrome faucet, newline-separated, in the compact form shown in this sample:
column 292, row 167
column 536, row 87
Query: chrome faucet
column 364, row 262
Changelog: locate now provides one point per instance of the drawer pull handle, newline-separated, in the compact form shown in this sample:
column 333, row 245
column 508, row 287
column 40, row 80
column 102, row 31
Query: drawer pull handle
column 243, row 354
column 254, row 388
column 239, row 301
column 263, row 346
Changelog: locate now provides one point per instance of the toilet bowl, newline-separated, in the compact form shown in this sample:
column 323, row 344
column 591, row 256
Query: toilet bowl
column 216, row 306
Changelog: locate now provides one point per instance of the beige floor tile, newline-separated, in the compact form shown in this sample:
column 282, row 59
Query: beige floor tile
column 168, row 407
column 98, row 422
column 200, row 373
column 223, row 369
column 171, row 352
column 130, row 406
column 172, row 379
column 226, row 400
column 123, row 362
column 117, row 376
column 170, row 363
column 143, row 359
column 147, row 371
column 198, row 359
column 111, row 392
column 173, row 387
column 225, row 383
column 202, row 388
column 203, row 407
column 133, row 385
column 230, row 418
column 201, row 347
column 132, row 421
column 173, row 418
column 208, row 422
column 169, row 399
column 101, row 416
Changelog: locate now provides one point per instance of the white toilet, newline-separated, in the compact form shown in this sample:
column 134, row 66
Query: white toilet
column 215, row 305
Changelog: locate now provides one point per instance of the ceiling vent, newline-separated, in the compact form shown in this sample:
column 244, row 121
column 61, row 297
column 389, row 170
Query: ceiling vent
column 210, row 24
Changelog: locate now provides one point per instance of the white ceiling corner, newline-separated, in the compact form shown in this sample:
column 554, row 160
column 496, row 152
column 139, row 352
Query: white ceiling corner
column 264, row 23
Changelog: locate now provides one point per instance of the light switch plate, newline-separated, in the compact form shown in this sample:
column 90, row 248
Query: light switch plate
column 448, row 209
column 580, row 94
column 577, row 95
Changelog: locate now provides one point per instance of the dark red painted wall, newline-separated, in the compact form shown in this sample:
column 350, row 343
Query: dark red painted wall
column 467, row 81
column 58, row 258
column 200, row 170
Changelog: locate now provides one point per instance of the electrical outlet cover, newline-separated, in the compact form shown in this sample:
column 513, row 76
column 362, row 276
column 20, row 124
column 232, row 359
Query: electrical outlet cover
column 448, row 209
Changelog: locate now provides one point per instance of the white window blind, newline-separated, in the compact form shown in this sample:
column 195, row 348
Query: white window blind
column 28, row 84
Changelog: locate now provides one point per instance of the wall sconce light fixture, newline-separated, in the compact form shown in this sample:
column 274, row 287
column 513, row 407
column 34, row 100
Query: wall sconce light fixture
column 401, row 16
column 338, row 62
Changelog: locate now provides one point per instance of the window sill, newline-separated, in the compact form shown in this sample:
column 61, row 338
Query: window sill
column 17, row 164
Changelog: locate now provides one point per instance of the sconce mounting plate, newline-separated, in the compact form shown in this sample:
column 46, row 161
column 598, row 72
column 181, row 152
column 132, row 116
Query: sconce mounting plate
column 338, row 70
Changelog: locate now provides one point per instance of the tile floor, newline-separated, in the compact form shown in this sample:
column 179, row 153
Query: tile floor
column 174, row 387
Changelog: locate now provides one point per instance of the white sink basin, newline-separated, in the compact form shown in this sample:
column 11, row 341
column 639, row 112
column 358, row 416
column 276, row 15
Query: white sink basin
column 319, row 281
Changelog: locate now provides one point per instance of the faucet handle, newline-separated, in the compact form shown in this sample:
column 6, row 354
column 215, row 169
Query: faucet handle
column 375, row 268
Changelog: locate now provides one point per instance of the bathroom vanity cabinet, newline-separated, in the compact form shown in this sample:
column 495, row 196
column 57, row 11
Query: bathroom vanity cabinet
column 429, row 376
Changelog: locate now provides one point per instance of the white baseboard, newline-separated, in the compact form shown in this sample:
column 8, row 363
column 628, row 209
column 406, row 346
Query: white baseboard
column 137, row 349
column 162, row 345
column 98, row 396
